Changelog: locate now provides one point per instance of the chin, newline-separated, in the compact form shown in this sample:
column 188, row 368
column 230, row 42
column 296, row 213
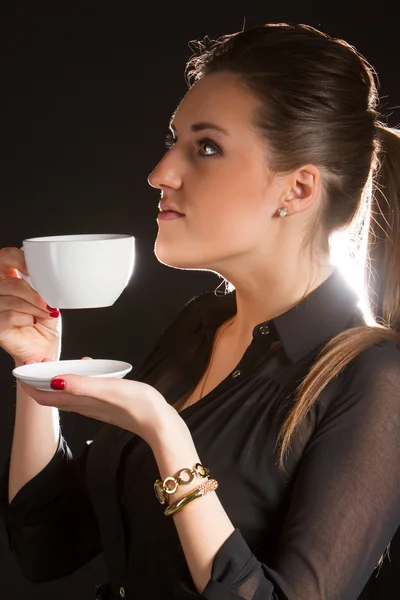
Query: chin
column 177, row 262
column 176, row 257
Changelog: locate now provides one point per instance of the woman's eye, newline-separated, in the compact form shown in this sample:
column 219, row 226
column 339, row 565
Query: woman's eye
column 207, row 145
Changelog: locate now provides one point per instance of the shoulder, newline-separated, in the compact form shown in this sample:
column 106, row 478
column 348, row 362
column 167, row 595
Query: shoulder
column 381, row 360
column 187, row 319
column 369, row 385
column 198, row 302
column 171, row 341
column 196, row 306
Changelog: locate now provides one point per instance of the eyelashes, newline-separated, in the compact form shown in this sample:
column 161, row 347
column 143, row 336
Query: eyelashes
column 170, row 141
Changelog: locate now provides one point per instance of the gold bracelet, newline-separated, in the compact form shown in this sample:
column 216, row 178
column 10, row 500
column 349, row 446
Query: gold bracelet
column 201, row 490
column 170, row 484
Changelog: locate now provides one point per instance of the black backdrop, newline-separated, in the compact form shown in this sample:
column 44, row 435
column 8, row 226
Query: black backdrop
column 87, row 102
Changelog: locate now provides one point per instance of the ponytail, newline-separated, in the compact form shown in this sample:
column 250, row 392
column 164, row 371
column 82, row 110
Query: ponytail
column 382, row 284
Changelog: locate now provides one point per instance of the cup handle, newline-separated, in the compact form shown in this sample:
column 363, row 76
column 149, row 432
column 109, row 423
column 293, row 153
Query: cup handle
column 25, row 277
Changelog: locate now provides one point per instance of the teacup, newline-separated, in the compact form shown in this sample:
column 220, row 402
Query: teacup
column 79, row 271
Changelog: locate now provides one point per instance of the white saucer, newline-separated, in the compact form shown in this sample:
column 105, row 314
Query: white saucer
column 39, row 375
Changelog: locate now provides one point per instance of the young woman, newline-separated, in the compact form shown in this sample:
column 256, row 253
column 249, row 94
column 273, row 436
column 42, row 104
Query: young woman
column 255, row 453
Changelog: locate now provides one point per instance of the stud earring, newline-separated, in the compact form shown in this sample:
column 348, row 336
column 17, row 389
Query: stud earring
column 282, row 211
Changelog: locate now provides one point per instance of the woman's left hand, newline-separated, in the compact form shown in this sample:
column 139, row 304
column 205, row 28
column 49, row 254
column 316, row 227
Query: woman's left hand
column 131, row 405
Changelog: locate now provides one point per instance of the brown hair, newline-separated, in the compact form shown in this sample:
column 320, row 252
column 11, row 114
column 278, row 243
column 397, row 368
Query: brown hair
column 317, row 104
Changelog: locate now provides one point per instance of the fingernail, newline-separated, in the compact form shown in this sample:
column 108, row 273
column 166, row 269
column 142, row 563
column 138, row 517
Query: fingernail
column 58, row 384
column 55, row 313
column 50, row 307
column 34, row 320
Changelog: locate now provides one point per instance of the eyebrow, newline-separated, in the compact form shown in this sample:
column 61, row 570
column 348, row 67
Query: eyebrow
column 202, row 125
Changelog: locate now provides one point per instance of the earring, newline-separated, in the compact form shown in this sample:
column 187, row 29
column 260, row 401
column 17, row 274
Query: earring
column 282, row 211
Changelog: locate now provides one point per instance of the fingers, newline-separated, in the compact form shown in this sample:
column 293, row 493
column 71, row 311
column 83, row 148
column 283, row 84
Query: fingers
column 31, row 362
column 16, row 300
column 12, row 259
column 16, row 296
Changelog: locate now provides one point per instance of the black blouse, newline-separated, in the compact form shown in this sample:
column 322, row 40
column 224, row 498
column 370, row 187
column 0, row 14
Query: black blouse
column 314, row 533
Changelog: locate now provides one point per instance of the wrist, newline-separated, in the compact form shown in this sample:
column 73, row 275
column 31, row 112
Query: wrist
column 173, row 453
column 181, row 483
column 169, row 431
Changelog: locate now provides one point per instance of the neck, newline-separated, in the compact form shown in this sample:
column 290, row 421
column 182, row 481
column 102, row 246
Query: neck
column 256, row 304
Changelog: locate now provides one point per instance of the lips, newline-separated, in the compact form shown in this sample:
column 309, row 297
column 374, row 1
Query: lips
column 168, row 207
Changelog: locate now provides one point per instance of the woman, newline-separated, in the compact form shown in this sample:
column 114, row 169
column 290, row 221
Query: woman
column 278, row 393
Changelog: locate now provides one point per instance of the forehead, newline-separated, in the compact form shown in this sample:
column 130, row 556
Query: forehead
column 219, row 98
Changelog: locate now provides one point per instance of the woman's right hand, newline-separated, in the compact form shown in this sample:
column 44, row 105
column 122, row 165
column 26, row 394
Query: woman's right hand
column 19, row 306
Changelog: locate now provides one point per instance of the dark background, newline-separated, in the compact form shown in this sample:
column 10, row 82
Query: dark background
column 87, row 103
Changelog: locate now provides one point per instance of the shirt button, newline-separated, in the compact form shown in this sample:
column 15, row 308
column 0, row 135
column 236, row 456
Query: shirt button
column 122, row 592
column 236, row 373
column 264, row 329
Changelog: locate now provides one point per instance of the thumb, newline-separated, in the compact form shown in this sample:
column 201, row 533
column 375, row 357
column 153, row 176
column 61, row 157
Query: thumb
column 83, row 385
column 60, row 383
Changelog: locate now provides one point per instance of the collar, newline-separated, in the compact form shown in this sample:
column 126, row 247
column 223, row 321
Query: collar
column 329, row 309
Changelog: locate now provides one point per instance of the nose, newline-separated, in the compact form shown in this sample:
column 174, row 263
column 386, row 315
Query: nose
column 165, row 175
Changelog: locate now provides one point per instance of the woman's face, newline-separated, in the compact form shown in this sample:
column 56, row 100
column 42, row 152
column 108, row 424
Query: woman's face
column 220, row 181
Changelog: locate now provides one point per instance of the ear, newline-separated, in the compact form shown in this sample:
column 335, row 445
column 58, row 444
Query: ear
column 305, row 185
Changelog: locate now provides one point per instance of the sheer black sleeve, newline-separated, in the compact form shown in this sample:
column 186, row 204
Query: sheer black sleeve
column 50, row 523
column 345, row 505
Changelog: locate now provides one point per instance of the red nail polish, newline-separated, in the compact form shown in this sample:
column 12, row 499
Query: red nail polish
column 34, row 320
column 50, row 307
column 57, row 384
column 55, row 313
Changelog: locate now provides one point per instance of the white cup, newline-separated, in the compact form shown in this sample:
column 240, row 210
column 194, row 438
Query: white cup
column 79, row 271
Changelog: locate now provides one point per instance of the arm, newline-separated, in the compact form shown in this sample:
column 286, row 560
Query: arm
column 345, row 505
column 46, row 508
column 200, row 544
column 35, row 440
column 50, row 523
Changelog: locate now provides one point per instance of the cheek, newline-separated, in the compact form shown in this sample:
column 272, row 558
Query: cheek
column 234, row 191
column 234, row 224
column 227, row 214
